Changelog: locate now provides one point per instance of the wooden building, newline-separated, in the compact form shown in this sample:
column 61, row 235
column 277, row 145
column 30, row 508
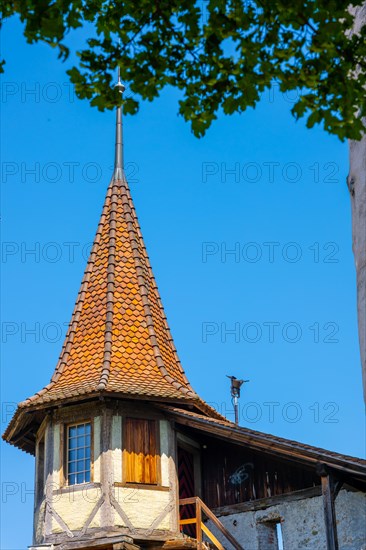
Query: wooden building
column 128, row 455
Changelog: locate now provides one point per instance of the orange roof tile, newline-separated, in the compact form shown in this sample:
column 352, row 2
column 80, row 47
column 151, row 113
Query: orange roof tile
column 118, row 339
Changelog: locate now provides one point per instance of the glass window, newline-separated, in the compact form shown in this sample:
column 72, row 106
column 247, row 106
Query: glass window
column 78, row 453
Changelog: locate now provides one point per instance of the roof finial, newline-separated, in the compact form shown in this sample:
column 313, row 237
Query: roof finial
column 118, row 159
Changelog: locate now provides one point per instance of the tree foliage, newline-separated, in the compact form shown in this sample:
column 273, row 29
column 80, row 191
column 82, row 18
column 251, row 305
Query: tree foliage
column 221, row 54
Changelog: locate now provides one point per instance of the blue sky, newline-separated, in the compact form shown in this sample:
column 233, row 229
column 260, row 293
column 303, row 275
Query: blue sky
column 280, row 309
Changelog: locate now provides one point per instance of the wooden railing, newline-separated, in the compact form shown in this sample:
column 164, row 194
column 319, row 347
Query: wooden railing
column 201, row 527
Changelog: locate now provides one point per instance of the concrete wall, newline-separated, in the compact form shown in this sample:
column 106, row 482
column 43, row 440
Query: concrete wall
column 302, row 524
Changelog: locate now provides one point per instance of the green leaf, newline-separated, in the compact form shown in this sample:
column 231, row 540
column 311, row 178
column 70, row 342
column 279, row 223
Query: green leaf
column 220, row 56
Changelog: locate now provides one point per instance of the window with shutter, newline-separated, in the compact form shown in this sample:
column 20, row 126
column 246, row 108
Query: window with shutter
column 140, row 453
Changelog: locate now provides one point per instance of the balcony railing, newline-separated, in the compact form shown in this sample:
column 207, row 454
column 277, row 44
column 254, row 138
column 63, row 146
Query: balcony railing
column 200, row 509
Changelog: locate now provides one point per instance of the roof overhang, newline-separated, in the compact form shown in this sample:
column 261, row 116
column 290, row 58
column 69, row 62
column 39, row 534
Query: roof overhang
column 286, row 449
column 22, row 428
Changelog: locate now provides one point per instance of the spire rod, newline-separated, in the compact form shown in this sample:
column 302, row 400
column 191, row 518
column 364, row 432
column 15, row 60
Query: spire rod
column 118, row 156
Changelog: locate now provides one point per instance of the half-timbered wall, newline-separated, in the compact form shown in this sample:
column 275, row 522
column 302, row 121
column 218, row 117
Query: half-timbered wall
column 142, row 510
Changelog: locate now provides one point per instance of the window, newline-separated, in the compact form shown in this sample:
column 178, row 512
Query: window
column 270, row 534
column 140, row 454
column 78, row 453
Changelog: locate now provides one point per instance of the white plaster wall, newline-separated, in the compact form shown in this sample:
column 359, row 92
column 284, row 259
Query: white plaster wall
column 117, row 448
column 144, row 506
column 303, row 524
column 74, row 508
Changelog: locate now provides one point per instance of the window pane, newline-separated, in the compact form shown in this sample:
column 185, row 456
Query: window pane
column 72, row 431
column 72, row 443
column 80, row 453
column 80, row 466
column 72, row 479
column 87, row 476
column 81, row 441
column 80, row 478
column 72, row 455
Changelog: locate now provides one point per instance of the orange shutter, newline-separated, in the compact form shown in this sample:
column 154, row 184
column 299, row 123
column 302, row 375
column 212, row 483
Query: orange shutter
column 140, row 451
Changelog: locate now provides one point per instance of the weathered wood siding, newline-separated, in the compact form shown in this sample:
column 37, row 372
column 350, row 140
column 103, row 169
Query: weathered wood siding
column 232, row 474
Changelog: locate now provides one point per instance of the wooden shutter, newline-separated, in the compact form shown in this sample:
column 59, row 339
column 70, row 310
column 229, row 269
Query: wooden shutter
column 140, row 455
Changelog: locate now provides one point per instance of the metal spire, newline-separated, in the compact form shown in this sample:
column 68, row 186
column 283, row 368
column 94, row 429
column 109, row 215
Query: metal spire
column 118, row 157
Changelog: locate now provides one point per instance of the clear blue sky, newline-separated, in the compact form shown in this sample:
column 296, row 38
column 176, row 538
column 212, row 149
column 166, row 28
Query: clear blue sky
column 286, row 205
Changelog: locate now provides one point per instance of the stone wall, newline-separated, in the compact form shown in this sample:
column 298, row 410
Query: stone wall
column 302, row 524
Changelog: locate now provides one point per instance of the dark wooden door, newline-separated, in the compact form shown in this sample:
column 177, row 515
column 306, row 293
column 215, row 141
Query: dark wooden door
column 186, row 488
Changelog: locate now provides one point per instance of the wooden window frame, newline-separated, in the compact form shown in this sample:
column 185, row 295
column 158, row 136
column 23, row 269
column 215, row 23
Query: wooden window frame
column 65, row 452
column 136, row 485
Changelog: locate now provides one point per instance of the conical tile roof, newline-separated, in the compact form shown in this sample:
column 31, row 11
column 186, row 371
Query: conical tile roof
column 118, row 339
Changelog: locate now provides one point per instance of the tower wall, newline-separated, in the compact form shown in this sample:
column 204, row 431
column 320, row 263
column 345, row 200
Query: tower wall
column 106, row 503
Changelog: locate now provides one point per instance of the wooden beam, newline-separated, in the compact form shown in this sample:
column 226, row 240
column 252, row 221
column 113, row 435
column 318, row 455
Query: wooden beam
column 199, row 524
column 328, row 492
column 125, row 546
column 23, row 434
column 178, row 543
column 101, row 544
column 187, row 521
column 262, row 503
